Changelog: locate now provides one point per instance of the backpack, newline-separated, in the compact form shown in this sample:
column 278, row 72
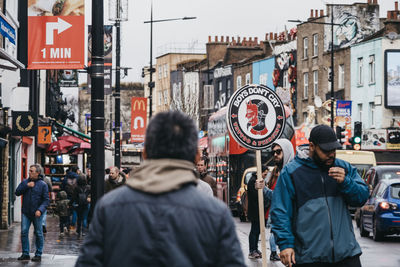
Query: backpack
column 82, row 198
column 63, row 207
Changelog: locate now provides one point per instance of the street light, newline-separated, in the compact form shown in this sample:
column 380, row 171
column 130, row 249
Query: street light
column 151, row 69
column 118, row 12
column 332, row 74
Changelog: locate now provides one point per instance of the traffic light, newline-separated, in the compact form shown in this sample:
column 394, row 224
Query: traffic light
column 357, row 135
column 340, row 134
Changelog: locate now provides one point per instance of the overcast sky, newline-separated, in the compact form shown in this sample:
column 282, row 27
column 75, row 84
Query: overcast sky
column 249, row 18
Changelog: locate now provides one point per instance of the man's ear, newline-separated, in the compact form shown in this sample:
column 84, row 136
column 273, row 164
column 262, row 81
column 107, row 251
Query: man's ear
column 144, row 154
column 312, row 147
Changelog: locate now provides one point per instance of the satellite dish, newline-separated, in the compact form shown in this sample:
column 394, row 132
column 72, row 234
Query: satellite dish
column 317, row 101
column 392, row 35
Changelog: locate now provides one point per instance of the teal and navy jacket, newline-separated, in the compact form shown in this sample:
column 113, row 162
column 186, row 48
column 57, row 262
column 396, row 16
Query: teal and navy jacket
column 309, row 210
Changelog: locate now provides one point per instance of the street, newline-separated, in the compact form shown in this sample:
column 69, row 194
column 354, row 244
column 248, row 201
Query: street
column 64, row 251
column 375, row 254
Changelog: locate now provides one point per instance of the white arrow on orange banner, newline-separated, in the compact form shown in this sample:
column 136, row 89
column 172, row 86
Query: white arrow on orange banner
column 60, row 26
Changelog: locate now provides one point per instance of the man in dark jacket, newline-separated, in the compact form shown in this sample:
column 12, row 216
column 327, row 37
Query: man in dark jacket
column 35, row 199
column 160, row 218
column 114, row 180
column 310, row 218
column 202, row 166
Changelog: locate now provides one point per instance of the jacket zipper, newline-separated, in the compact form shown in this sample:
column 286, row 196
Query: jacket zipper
column 330, row 218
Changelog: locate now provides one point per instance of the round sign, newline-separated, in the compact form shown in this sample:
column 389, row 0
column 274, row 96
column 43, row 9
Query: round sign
column 256, row 116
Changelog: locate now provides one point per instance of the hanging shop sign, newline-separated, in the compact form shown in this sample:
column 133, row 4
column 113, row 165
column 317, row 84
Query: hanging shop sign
column 24, row 123
column 56, row 34
column 374, row 139
column 256, row 116
column 44, row 135
column 393, row 139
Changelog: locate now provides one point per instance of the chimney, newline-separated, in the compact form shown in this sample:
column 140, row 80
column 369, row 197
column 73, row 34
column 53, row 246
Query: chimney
column 216, row 39
column 209, row 38
column 244, row 41
column 275, row 36
column 375, row 2
column 233, row 41
column 251, row 41
column 238, row 41
column 222, row 39
column 321, row 13
column 227, row 39
column 369, row 2
column 271, row 36
column 312, row 13
column 256, row 41
column 396, row 6
column 316, row 13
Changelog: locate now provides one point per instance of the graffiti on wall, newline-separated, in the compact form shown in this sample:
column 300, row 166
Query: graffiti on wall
column 284, row 76
column 356, row 23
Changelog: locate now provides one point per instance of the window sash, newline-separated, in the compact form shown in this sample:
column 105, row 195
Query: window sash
column 315, row 40
column 305, row 44
column 305, row 77
column 315, row 74
column 238, row 82
column 360, row 71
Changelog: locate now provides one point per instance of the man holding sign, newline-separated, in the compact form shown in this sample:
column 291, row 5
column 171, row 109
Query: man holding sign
column 310, row 218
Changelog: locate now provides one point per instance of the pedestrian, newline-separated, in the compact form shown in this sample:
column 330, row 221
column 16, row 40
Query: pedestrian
column 81, row 199
column 282, row 152
column 63, row 208
column 202, row 166
column 35, row 199
column 310, row 218
column 253, row 214
column 47, row 180
column 202, row 186
column 176, row 224
column 115, row 179
column 68, row 185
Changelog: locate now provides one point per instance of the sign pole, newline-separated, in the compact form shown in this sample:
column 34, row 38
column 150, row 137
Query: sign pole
column 261, row 211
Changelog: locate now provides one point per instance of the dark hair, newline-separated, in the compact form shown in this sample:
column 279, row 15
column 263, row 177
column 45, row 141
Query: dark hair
column 171, row 135
column 264, row 168
column 74, row 168
column 108, row 170
column 205, row 159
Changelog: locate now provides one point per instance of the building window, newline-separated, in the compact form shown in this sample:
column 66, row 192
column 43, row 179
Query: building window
column 208, row 96
column 305, row 47
column 341, row 76
column 220, row 87
column 159, row 98
column 372, row 114
column 285, row 79
column 263, row 78
column 165, row 97
column 360, row 71
column 305, row 77
column 165, row 70
column 315, row 77
column 159, row 72
column 359, row 112
column 248, row 78
column 371, row 69
column 238, row 82
column 315, row 45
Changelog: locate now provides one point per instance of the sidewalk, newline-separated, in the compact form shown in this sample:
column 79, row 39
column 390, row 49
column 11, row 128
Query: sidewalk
column 61, row 252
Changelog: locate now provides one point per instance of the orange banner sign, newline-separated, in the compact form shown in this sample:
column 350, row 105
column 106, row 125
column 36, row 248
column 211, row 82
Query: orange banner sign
column 56, row 34
column 44, row 135
column 138, row 119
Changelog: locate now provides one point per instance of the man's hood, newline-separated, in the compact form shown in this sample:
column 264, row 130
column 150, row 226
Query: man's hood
column 157, row 176
column 303, row 156
column 287, row 149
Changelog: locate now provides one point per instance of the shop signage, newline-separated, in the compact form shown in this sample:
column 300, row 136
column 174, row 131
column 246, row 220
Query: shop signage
column 44, row 135
column 374, row 139
column 256, row 116
column 393, row 139
column 138, row 119
column 24, row 123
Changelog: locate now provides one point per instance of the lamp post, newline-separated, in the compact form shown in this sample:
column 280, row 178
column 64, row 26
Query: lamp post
column 332, row 73
column 151, row 84
column 118, row 12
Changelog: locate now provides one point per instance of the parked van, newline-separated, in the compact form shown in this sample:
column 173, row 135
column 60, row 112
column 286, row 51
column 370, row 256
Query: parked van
column 362, row 160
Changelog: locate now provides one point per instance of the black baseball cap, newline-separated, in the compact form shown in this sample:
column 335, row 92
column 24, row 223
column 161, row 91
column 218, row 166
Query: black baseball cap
column 324, row 137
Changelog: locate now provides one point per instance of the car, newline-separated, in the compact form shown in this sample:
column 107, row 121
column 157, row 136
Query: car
column 241, row 196
column 376, row 174
column 381, row 213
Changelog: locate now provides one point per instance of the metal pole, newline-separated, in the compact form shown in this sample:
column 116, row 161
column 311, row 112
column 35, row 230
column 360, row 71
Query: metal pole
column 332, row 74
column 117, row 95
column 151, row 84
column 97, row 102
